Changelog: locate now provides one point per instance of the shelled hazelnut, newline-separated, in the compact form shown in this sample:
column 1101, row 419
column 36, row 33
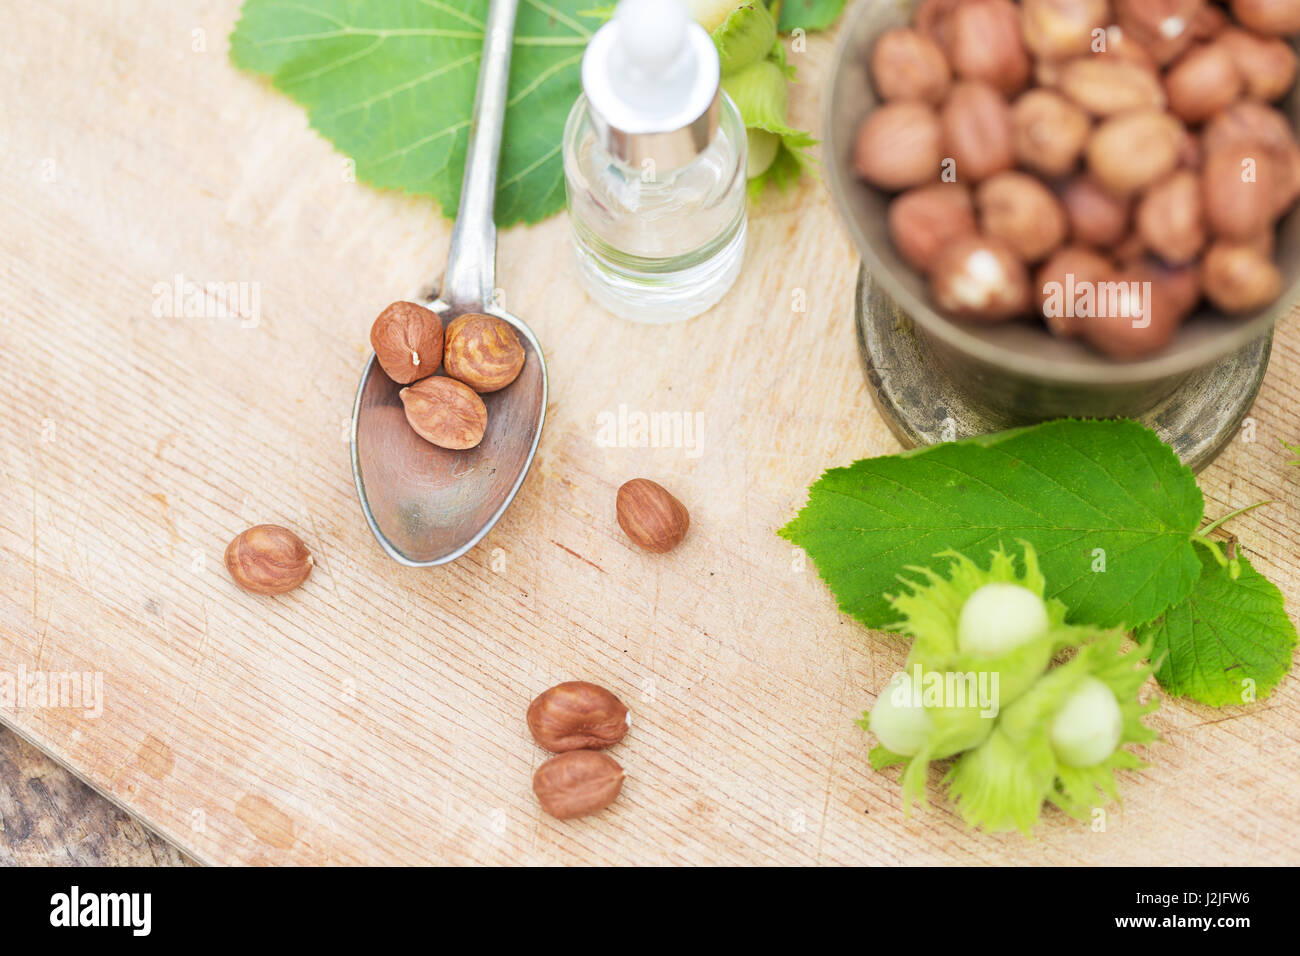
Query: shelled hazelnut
column 1108, row 142
column 908, row 65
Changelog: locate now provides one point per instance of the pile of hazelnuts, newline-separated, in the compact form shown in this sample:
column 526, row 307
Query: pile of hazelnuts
column 477, row 353
column 1113, row 142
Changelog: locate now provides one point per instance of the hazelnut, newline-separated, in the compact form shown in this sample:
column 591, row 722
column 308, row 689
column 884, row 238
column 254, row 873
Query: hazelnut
column 1270, row 17
column 1128, row 152
column 483, row 352
column 908, row 65
column 1240, row 277
column 1163, row 27
column 1133, row 319
column 1048, row 132
column 898, row 146
column 445, row 412
column 1130, row 250
column 1241, row 188
column 1208, row 23
column 984, row 43
column 650, row 516
column 1105, row 86
column 407, row 339
column 1170, row 218
column 1247, row 121
column 577, row 715
column 923, row 220
column 1056, row 29
column 1119, row 45
column 1267, row 64
column 1203, row 82
column 268, row 559
column 577, row 783
column 980, row 278
column 1022, row 212
column 1062, row 279
column 931, row 18
column 1097, row 217
column 977, row 131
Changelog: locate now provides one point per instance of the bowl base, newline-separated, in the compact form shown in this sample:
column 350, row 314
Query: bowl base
column 923, row 407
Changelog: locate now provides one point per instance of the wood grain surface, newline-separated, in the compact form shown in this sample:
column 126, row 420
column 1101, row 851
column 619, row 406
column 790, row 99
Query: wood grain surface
column 376, row 714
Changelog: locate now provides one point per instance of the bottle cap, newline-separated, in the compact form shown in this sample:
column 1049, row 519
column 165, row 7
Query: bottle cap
column 651, row 76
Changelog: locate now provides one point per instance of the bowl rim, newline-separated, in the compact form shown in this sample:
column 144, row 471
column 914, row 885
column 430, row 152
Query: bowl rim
column 1236, row 334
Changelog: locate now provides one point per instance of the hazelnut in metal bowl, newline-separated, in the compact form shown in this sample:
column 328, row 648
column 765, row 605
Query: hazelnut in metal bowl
column 1088, row 215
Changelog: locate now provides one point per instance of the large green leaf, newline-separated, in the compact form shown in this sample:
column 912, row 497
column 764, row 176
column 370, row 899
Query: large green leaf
column 1229, row 642
column 392, row 85
column 1107, row 505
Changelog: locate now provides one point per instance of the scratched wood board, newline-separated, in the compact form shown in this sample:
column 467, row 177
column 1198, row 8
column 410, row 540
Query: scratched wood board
column 376, row 714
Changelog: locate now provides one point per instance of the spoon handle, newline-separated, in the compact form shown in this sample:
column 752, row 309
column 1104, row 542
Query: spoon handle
column 470, row 279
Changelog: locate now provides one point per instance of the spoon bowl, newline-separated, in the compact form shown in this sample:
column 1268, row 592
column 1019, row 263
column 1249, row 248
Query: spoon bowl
column 428, row 505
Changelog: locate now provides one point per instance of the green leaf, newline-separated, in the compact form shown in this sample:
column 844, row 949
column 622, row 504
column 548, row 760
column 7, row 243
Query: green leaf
column 392, row 85
column 1223, row 635
column 1293, row 449
column 809, row 14
column 1077, row 491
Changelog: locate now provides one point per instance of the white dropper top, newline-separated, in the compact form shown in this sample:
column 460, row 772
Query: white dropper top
column 652, row 70
column 651, row 34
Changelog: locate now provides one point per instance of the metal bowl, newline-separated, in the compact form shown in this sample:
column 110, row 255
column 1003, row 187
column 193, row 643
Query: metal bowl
column 936, row 378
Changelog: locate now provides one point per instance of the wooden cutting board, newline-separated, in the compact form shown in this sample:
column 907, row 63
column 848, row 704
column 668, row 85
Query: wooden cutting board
column 376, row 714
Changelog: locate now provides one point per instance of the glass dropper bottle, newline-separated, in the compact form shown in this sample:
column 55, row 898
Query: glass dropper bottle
column 654, row 161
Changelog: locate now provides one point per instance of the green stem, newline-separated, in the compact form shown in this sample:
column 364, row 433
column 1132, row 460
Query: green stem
column 1228, row 517
column 1213, row 548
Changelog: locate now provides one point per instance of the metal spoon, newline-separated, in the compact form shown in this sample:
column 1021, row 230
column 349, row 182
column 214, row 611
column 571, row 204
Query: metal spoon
column 425, row 504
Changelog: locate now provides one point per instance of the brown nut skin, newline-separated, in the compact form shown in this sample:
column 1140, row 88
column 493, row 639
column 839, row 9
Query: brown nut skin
column 1018, row 209
column 1240, row 278
column 1108, row 85
column 1247, row 121
column 1097, row 217
column 577, row 715
column 980, row 279
column 1204, row 81
column 1048, row 132
column 1058, row 282
column 268, row 559
column 1267, row 64
column 1242, row 187
column 906, row 64
column 650, row 516
column 483, row 352
column 1170, row 218
column 924, row 220
column 898, row 146
column 407, row 339
column 1131, row 151
column 1056, row 29
column 1163, row 27
column 978, row 134
column 1173, row 294
column 577, row 783
column 984, row 44
column 1270, row 17
column 932, row 18
column 445, row 412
